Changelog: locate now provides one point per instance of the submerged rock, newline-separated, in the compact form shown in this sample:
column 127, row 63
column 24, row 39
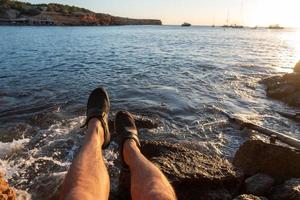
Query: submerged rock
column 255, row 156
column 290, row 190
column 285, row 88
column 249, row 197
column 259, row 184
column 192, row 174
column 6, row 192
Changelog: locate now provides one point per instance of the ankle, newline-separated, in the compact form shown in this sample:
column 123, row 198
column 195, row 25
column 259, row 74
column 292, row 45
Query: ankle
column 130, row 148
column 95, row 127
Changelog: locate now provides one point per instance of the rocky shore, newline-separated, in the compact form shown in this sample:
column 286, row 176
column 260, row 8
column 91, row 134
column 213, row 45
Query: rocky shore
column 18, row 13
column 285, row 88
column 259, row 171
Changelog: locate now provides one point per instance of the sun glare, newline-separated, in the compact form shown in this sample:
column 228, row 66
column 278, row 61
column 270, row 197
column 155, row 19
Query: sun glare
column 269, row 12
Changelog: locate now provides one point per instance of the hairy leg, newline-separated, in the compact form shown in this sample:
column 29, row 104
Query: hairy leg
column 147, row 181
column 87, row 177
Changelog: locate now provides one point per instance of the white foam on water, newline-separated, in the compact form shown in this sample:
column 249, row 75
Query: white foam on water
column 7, row 149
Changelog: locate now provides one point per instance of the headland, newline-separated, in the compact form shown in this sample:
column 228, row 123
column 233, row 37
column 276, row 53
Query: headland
column 20, row 13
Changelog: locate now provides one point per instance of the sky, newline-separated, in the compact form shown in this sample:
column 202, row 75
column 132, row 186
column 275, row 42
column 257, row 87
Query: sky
column 198, row 12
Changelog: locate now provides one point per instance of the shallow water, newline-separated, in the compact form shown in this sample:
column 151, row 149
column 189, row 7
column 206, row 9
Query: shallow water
column 169, row 73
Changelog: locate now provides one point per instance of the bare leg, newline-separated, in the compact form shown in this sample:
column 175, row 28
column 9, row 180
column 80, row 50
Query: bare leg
column 147, row 181
column 88, row 177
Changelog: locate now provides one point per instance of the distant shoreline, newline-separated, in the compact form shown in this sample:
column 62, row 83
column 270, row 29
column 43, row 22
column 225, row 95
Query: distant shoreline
column 15, row 13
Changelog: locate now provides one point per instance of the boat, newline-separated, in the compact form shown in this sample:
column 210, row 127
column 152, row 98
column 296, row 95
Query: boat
column 227, row 25
column 275, row 26
column 186, row 24
column 232, row 26
column 237, row 26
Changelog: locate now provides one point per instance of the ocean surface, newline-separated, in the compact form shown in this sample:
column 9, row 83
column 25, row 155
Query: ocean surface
column 175, row 75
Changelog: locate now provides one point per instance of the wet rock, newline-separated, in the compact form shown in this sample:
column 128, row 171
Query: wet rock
column 259, row 184
column 281, row 90
column 6, row 192
column 285, row 88
column 290, row 190
column 297, row 67
column 48, row 187
column 192, row 174
column 145, row 122
column 140, row 121
column 16, row 132
column 249, row 197
column 255, row 156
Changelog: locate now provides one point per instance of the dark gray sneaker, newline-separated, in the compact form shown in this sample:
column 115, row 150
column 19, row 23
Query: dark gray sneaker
column 125, row 129
column 98, row 107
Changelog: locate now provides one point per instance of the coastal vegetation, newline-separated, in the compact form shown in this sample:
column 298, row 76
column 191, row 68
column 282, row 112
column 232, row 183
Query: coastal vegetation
column 34, row 9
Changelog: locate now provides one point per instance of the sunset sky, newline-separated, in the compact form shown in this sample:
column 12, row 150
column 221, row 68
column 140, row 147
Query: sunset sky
column 200, row 12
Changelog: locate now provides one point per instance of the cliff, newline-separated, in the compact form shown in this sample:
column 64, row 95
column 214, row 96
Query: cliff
column 19, row 13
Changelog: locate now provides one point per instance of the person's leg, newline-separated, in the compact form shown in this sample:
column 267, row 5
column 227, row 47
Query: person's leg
column 87, row 177
column 147, row 181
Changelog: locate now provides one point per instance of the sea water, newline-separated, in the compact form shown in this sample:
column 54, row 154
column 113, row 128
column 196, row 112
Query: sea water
column 176, row 75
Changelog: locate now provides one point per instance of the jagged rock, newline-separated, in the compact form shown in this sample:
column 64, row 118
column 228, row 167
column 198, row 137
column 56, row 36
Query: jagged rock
column 297, row 67
column 193, row 175
column 285, row 88
column 249, row 197
column 290, row 190
column 6, row 192
column 255, row 156
column 259, row 184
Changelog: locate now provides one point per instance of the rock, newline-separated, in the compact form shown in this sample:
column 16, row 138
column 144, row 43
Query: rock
column 293, row 99
column 292, row 78
column 140, row 121
column 249, row 197
column 280, row 91
column 255, row 156
column 290, row 190
column 285, row 88
column 259, row 184
column 47, row 187
column 192, row 174
column 297, row 67
column 6, row 192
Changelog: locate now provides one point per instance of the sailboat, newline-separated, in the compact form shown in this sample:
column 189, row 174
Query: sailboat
column 234, row 25
column 227, row 21
column 213, row 23
column 241, row 12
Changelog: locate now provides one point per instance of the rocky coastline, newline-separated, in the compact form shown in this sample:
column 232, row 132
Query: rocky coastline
column 285, row 88
column 19, row 13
